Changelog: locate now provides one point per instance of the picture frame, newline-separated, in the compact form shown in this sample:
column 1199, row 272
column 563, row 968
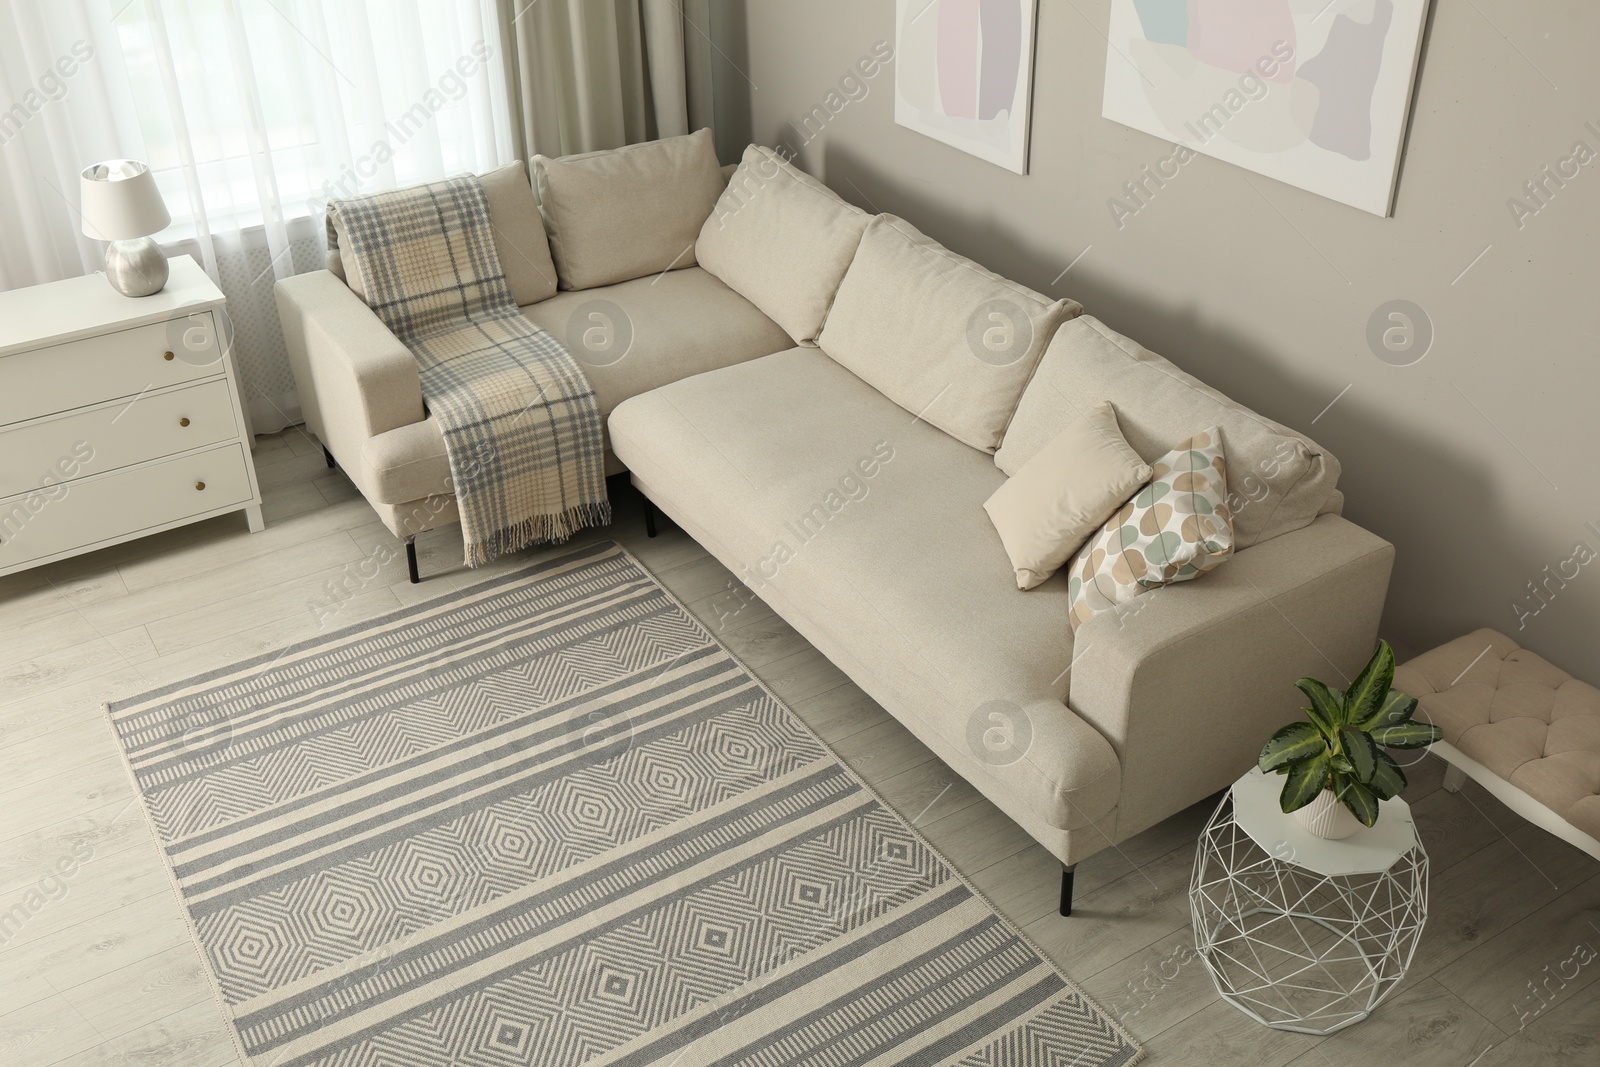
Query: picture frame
column 1313, row 93
column 964, row 75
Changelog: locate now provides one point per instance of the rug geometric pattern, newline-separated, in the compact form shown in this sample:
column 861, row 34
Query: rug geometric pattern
column 550, row 820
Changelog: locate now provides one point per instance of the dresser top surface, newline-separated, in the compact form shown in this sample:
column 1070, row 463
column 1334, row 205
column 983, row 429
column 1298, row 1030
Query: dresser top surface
column 57, row 312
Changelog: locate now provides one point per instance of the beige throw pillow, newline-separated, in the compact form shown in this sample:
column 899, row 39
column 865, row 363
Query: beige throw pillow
column 782, row 240
column 1046, row 511
column 519, row 239
column 945, row 338
column 1177, row 528
column 630, row 212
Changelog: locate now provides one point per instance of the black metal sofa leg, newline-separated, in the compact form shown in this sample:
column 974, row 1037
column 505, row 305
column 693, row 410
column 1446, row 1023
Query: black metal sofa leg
column 411, row 560
column 329, row 457
column 1066, row 889
column 650, row 518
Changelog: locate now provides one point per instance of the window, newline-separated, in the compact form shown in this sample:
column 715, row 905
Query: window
column 267, row 108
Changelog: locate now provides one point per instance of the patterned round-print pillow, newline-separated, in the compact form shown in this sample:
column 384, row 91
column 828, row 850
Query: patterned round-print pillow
column 1176, row 528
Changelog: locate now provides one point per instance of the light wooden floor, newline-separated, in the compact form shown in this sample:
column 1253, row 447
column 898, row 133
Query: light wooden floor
column 99, row 968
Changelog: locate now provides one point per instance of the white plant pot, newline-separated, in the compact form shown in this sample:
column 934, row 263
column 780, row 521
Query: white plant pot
column 1325, row 817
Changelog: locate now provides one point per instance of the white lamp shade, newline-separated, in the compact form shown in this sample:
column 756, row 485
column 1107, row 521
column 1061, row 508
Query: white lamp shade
column 120, row 201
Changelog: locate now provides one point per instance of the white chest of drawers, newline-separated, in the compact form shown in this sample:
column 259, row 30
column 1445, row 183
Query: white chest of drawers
column 119, row 417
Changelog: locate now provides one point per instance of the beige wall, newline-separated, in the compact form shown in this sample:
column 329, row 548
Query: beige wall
column 1476, row 461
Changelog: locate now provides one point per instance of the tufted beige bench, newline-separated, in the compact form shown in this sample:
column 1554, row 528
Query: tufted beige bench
column 1521, row 727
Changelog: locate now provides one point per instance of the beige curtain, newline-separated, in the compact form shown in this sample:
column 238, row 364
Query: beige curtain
column 586, row 75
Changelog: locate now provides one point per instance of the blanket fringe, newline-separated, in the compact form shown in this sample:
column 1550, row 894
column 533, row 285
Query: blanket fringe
column 548, row 529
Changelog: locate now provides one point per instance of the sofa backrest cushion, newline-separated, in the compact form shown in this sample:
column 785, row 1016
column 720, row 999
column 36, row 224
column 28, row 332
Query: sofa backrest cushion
column 629, row 212
column 519, row 238
column 782, row 240
column 938, row 334
column 1278, row 480
column 519, row 235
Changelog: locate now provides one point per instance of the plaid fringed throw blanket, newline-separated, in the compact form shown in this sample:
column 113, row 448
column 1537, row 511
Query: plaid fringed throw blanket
column 522, row 428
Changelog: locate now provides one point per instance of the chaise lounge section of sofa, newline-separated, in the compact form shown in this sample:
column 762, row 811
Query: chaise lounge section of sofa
column 845, row 484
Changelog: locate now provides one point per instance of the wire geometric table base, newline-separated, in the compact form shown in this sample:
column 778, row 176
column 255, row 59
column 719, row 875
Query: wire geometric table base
column 1293, row 946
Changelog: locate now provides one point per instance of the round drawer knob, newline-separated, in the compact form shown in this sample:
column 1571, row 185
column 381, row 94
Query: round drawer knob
column 199, row 485
column 168, row 356
column 183, row 422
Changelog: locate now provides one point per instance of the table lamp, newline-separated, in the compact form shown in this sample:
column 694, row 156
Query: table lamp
column 121, row 204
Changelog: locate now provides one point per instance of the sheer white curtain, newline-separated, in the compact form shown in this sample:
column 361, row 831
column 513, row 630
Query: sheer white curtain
column 252, row 113
column 59, row 112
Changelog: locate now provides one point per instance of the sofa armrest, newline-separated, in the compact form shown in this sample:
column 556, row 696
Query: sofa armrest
column 1074, row 760
column 356, row 380
column 1188, row 681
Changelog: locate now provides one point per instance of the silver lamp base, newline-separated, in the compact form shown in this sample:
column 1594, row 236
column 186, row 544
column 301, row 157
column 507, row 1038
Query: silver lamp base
column 137, row 267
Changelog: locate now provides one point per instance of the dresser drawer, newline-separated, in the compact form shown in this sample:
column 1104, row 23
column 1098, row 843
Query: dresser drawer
column 114, row 435
column 80, row 514
column 126, row 363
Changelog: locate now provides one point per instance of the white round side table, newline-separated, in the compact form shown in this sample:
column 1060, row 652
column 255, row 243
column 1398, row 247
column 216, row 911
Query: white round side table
column 1301, row 933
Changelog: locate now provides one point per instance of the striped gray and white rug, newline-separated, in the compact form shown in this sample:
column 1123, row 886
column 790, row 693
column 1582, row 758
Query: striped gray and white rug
column 550, row 820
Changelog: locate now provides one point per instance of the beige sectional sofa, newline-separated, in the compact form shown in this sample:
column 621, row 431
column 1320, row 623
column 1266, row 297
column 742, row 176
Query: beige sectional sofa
column 826, row 401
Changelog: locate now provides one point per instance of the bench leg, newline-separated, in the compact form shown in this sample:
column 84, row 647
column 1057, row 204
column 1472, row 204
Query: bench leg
column 1454, row 778
column 1066, row 889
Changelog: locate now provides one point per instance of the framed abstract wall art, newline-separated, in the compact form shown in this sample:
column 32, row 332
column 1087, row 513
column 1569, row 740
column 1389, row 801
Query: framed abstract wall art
column 964, row 74
column 1315, row 93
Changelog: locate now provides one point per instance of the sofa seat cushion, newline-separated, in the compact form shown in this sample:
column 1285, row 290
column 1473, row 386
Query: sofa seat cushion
column 825, row 495
column 1278, row 480
column 404, row 464
column 647, row 332
column 940, row 335
column 628, row 338
column 1518, row 714
column 628, row 212
column 783, row 240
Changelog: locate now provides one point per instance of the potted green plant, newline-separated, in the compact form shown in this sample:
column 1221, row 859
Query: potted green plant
column 1335, row 764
